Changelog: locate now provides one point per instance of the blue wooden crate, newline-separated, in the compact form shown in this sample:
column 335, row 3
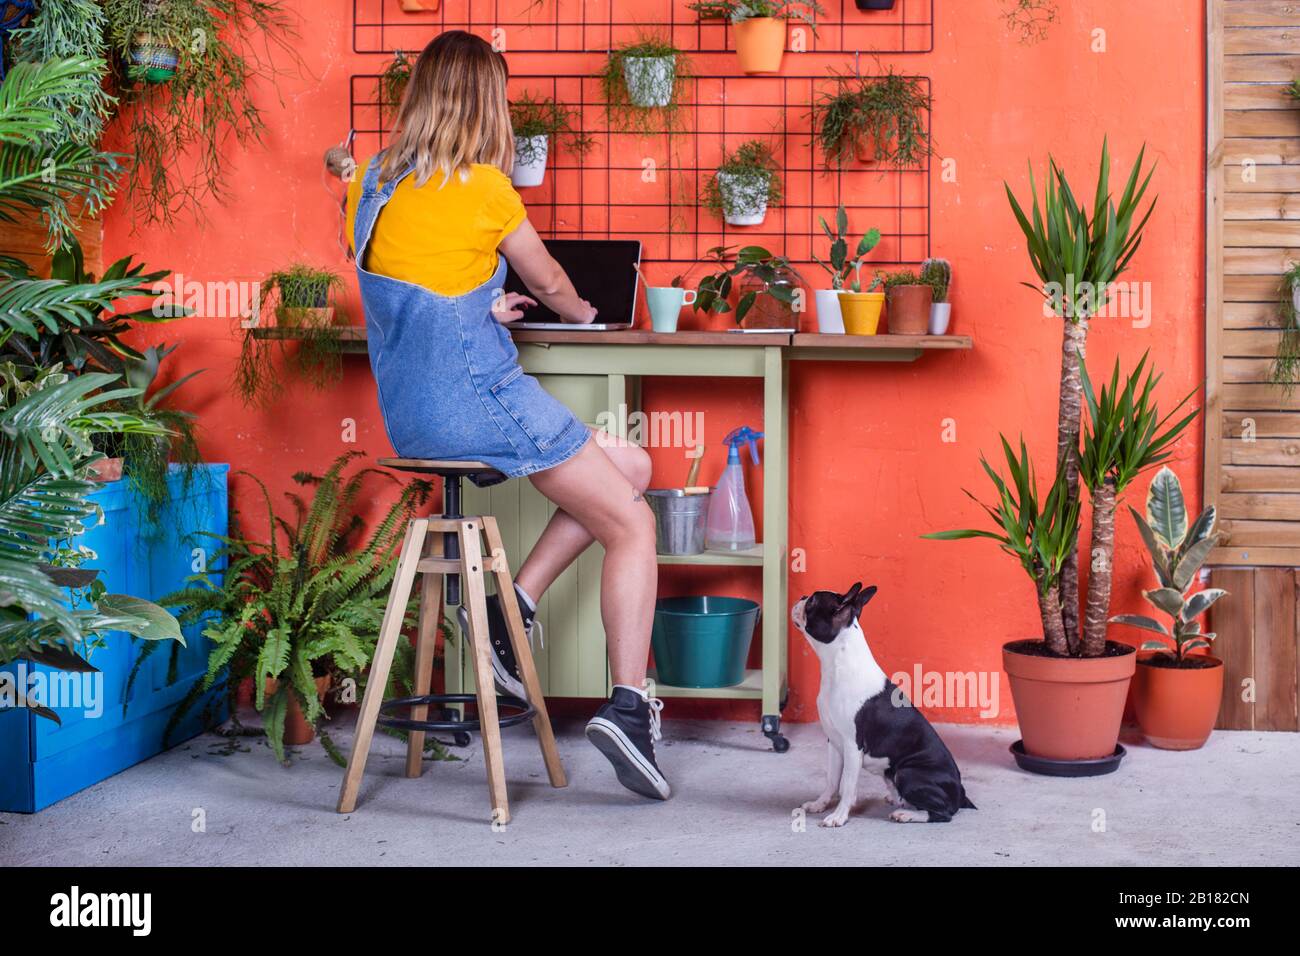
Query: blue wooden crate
column 41, row 761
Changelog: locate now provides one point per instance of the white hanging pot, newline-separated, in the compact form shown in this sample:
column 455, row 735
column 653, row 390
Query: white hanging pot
column 744, row 197
column 940, row 316
column 530, row 160
column 1295, row 294
column 830, row 320
column 649, row 79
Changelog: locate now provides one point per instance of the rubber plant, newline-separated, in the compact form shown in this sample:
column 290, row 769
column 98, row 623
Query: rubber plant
column 303, row 602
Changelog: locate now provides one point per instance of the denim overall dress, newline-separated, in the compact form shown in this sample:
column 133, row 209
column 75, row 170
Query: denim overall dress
column 449, row 379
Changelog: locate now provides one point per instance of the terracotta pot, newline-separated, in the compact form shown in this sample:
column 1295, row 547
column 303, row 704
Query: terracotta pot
column 1176, row 707
column 760, row 44
column 861, row 311
column 297, row 731
column 296, row 317
column 1069, row 708
column 418, row 6
column 909, row 309
column 106, row 469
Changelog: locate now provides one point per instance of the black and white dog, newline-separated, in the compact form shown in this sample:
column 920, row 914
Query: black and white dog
column 865, row 715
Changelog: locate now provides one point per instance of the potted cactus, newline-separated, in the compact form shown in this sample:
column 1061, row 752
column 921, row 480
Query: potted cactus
column 745, row 184
column 1176, row 689
column 842, row 269
column 937, row 273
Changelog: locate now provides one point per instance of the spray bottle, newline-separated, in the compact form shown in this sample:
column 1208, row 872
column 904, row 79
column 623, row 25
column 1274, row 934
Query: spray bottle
column 730, row 524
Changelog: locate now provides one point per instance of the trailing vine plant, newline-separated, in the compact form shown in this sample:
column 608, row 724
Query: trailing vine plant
column 1029, row 19
column 1286, row 363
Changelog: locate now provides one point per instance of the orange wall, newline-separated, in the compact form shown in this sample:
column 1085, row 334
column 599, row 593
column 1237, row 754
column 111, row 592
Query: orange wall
column 869, row 469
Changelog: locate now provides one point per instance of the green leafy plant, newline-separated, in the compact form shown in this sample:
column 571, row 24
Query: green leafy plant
column 1293, row 90
column 838, row 264
column 884, row 115
column 70, row 29
column 225, row 48
column 753, row 171
column 531, row 118
column 62, row 183
column 1126, row 435
column 621, row 112
column 46, row 455
column 1040, row 532
column 393, row 81
column 304, row 300
column 937, row 274
column 1285, row 370
column 1028, row 20
column 738, row 12
column 1076, row 254
column 304, row 603
column 1178, row 551
column 728, row 265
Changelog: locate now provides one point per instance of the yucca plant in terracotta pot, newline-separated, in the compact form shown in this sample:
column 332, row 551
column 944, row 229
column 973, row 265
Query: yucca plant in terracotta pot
column 1070, row 686
column 1178, row 688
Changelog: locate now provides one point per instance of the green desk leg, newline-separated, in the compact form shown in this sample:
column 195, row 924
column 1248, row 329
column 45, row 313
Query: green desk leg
column 776, row 471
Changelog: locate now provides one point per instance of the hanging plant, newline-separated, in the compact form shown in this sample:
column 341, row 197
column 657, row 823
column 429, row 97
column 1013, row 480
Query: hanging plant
column 1286, row 364
column 877, row 119
column 535, row 123
column 760, row 27
column 746, row 183
column 196, row 106
column 643, row 84
column 1029, row 19
column 393, row 81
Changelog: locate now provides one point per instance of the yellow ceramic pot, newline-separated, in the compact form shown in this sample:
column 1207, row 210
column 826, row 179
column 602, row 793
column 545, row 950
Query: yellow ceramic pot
column 861, row 311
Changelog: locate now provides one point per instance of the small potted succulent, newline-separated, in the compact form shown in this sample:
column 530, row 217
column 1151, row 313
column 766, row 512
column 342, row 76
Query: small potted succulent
column 760, row 27
column 769, row 288
column 536, row 122
column 873, row 120
column 910, row 298
column 937, row 273
column 745, row 184
column 1176, row 692
column 304, row 297
column 842, row 269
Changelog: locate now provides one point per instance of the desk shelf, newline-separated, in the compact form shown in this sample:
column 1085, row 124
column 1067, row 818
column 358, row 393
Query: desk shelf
column 752, row 557
column 751, row 688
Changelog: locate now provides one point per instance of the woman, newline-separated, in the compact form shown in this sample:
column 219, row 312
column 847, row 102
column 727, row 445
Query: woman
column 428, row 218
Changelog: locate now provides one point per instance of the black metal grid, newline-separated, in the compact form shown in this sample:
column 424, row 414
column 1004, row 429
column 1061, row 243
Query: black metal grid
column 605, row 194
column 594, row 26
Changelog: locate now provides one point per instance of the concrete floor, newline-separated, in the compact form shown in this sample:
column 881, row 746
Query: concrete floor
column 1235, row 802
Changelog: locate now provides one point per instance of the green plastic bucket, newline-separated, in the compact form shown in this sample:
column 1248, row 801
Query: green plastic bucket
column 702, row 641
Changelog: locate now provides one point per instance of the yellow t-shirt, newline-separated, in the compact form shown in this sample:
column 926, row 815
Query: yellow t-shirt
column 444, row 239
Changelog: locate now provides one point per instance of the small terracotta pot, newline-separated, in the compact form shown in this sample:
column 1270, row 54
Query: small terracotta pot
column 760, row 44
column 1176, row 707
column 1069, row 708
column 861, row 311
column 107, row 469
column 909, row 309
column 419, row 6
column 297, row 731
column 295, row 317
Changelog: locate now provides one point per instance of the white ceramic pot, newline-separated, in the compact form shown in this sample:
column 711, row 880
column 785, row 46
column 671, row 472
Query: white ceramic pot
column 530, row 161
column 829, row 318
column 1295, row 294
column 940, row 316
column 649, row 79
column 744, row 197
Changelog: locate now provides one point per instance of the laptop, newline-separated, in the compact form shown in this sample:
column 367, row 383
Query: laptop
column 604, row 273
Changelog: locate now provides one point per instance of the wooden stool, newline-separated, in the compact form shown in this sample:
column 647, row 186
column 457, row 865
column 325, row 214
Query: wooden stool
column 447, row 550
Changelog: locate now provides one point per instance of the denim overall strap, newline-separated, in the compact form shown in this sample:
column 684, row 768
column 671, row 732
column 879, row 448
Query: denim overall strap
column 373, row 200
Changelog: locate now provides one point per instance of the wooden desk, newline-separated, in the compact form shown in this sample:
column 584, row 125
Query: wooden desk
column 598, row 375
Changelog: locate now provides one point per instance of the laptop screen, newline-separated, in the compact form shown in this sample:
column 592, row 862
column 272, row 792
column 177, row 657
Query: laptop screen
column 602, row 272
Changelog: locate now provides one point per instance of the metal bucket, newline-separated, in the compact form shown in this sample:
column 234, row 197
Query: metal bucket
column 679, row 520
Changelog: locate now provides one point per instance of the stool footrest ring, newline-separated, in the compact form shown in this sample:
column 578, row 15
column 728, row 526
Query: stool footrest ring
column 518, row 712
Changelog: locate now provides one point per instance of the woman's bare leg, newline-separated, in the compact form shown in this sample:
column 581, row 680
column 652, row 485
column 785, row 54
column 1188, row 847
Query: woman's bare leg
column 563, row 538
column 595, row 495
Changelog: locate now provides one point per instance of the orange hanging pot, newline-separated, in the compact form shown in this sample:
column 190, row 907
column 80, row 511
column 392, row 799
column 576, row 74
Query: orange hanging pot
column 419, row 6
column 760, row 44
column 1176, row 706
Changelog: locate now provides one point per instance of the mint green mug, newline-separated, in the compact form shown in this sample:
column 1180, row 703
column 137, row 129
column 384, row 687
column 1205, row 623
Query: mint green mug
column 666, row 304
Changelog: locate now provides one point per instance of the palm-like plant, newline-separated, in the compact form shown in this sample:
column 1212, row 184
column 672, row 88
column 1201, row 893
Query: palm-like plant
column 1126, row 435
column 45, row 457
column 61, row 183
column 1076, row 257
column 307, row 608
column 1178, row 550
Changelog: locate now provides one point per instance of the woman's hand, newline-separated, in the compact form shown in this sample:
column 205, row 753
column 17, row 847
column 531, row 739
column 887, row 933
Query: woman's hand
column 510, row 307
column 585, row 313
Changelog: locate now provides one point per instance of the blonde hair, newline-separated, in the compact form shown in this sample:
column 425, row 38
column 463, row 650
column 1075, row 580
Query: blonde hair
column 454, row 113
